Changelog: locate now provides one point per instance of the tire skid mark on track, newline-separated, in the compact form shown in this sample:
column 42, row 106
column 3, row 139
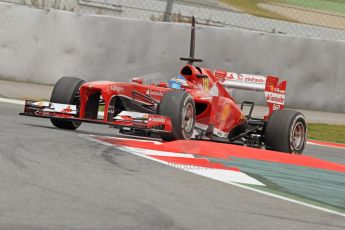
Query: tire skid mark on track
column 188, row 162
column 183, row 161
column 164, row 158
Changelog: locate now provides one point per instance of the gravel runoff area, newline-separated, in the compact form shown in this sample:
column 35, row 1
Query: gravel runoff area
column 22, row 91
column 228, row 18
column 300, row 14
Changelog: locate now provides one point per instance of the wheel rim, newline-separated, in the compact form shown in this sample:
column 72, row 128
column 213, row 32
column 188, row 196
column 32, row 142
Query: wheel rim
column 298, row 136
column 188, row 118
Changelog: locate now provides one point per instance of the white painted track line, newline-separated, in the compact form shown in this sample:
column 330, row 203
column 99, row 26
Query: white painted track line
column 22, row 102
column 89, row 137
column 12, row 101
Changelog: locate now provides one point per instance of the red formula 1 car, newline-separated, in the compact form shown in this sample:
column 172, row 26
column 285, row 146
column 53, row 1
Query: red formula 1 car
column 197, row 104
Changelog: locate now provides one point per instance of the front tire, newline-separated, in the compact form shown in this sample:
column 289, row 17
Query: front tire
column 286, row 131
column 179, row 106
column 66, row 91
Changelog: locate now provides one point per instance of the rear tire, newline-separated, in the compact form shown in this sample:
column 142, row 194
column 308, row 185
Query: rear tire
column 65, row 92
column 179, row 106
column 286, row 131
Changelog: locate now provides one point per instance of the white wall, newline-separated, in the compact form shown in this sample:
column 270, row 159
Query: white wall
column 41, row 46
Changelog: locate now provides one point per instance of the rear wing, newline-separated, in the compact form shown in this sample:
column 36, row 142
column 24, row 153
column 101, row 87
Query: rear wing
column 274, row 91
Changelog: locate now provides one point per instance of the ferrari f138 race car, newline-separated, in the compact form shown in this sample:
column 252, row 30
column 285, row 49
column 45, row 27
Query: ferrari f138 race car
column 197, row 104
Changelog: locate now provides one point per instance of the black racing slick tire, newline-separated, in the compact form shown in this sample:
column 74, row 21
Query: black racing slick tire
column 179, row 106
column 286, row 131
column 66, row 91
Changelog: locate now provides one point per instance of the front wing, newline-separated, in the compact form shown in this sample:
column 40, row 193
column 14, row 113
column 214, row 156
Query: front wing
column 126, row 119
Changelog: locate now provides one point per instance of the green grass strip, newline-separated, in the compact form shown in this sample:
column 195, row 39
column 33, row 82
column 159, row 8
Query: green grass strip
column 326, row 132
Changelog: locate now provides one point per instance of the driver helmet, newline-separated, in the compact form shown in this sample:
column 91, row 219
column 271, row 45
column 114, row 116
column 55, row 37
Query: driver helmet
column 176, row 82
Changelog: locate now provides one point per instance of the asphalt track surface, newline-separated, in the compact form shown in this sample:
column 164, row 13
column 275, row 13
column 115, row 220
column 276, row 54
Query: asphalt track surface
column 54, row 179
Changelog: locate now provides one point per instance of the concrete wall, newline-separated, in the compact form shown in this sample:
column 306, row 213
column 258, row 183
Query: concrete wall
column 41, row 46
